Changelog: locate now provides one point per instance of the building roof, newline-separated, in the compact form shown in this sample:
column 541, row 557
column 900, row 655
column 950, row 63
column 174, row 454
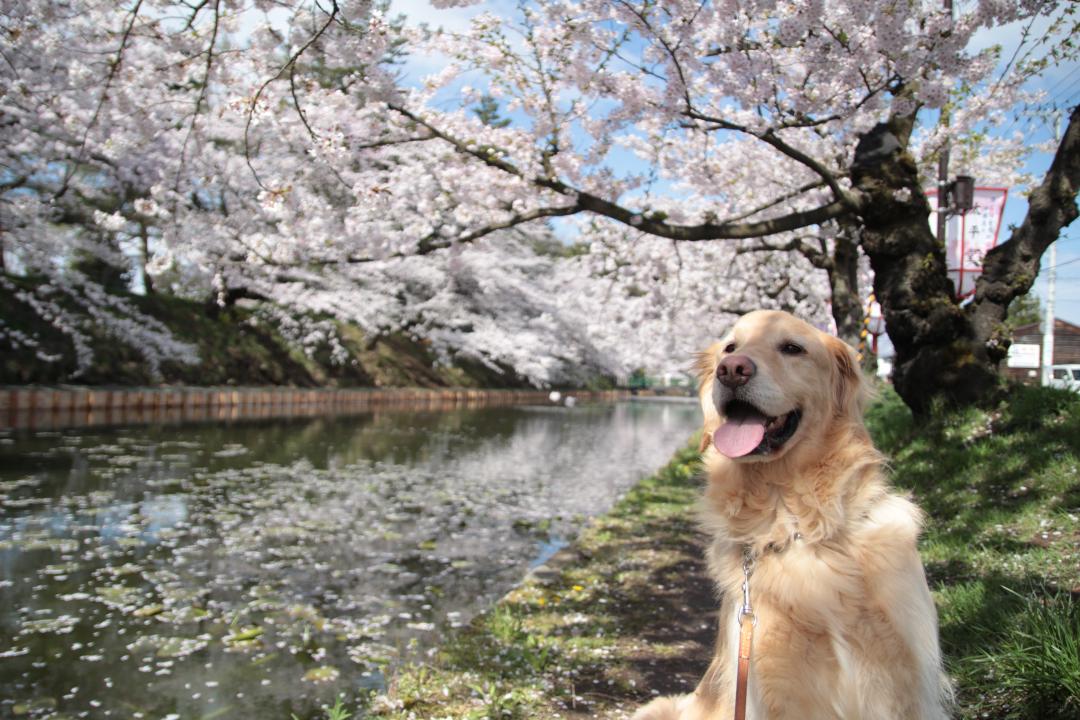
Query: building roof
column 1061, row 327
column 1066, row 339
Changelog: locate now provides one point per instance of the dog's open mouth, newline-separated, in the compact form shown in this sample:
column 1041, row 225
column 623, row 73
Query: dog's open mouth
column 748, row 431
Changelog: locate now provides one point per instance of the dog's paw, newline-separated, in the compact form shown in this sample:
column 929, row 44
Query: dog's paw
column 663, row 708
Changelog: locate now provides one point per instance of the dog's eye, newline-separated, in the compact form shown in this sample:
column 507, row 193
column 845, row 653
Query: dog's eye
column 792, row 349
column 730, row 348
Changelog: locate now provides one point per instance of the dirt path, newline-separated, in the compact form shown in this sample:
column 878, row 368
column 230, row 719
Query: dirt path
column 685, row 621
column 658, row 598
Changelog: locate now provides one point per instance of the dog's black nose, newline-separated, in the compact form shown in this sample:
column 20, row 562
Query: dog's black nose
column 735, row 370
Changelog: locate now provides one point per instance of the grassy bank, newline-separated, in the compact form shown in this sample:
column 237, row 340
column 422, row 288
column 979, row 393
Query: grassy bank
column 1001, row 547
column 626, row 612
column 234, row 345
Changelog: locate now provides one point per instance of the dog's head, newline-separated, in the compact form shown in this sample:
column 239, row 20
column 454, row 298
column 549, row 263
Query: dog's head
column 774, row 382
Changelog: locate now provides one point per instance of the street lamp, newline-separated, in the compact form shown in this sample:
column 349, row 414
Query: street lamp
column 962, row 193
column 954, row 198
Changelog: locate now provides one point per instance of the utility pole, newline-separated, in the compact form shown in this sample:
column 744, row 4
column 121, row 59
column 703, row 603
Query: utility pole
column 943, row 186
column 943, row 164
column 1048, row 321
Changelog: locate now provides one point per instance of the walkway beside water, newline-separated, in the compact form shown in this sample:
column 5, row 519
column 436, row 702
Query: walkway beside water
column 49, row 408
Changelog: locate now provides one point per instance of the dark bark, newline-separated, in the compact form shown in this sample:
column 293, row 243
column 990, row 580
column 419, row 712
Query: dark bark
column 144, row 246
column 944, row 351
column 843, row 271
column 1010, row 269
column 931, row 334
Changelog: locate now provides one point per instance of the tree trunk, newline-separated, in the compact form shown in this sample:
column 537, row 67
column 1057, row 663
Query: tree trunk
column 843, row 271
column 1010, row 269
column 931, row 334
column 144, row 246
column 944, row 351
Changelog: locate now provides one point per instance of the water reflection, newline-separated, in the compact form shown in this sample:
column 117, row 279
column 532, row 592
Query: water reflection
column 256, row 570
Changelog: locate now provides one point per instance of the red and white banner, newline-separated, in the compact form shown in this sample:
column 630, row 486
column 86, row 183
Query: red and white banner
column 969, row 236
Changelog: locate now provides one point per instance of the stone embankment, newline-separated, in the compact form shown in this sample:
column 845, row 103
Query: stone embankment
column 44, row 408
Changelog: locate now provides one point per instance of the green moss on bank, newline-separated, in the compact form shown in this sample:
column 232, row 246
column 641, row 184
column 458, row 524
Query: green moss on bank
column 234, row 345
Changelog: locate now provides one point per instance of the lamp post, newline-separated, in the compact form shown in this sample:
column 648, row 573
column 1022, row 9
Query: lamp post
column 957, row 198
column 961, row 191
column 954, row 198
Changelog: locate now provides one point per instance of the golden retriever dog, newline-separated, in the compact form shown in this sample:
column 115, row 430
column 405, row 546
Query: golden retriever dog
column 797, row 506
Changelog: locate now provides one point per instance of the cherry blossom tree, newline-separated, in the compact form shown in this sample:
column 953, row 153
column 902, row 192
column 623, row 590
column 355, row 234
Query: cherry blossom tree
column 774, row 120
column 714, row 157
column 254, row 151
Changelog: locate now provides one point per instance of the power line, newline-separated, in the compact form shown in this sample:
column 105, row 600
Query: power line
column 1061, row 264
column 1066, row 78
column 1052, row 105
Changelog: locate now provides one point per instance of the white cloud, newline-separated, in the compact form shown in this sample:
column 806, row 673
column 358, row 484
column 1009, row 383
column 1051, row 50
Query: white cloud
column 455, row 20
column 450, row 19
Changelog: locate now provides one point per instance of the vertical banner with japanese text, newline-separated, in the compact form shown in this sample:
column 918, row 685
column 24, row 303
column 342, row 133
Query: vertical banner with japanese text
column 970, row 235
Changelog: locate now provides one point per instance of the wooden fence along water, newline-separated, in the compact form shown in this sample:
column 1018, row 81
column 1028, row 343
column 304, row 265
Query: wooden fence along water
column 49, row 408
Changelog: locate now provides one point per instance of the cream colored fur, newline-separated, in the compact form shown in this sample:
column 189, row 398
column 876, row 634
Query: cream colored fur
column 846, row 624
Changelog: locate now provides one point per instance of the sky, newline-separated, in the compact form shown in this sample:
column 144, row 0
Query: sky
column 1062, row 85
column 1062, row 88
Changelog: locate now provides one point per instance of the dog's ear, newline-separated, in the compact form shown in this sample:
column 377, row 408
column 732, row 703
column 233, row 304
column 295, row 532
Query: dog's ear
column 705, row 369
column 704, row 365
column 848, row 389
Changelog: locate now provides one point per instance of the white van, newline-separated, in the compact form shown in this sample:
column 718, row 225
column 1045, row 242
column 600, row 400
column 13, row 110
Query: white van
column 1065, row 376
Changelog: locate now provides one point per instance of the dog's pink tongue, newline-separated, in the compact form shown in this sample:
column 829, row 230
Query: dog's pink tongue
column 739, row 436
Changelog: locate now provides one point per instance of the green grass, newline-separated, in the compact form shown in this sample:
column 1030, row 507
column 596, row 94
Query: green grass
column 1001, row 490
column 1038, row 661
column 337, row 712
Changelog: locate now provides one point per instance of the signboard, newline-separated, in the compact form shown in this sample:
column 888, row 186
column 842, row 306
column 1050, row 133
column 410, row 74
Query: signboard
column 970, row 235
column 1023, row 355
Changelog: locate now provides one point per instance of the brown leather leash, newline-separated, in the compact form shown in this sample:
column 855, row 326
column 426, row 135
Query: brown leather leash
column 747, row 621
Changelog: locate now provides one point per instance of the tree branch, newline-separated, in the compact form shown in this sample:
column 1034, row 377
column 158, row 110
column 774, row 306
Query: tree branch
column 778, row 201
column 1010, row 269
column 114, row 69
column 208, row 68
column 708, row 230
column 650, row 224
column 287, row 67
column 434, row 242
column 769, row 137
column 817, row 258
